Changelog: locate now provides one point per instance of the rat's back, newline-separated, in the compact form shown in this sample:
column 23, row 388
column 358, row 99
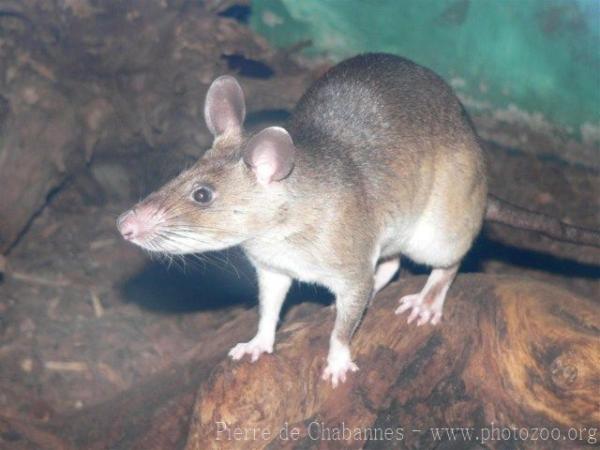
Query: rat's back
column 370, row 106
column 394, row 131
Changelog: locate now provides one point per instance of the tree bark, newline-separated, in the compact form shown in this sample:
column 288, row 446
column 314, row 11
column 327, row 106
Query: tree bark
column 82, row 78
column 509, row 353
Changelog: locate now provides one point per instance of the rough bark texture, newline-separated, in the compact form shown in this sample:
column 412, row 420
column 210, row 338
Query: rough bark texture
column 509, row 352
column 81, row 79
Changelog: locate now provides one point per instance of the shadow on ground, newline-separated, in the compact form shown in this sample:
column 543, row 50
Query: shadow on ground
column 208, row 282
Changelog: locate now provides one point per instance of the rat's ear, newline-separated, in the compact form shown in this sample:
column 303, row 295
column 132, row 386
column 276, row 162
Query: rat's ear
column 224, row 107
column 270, row 154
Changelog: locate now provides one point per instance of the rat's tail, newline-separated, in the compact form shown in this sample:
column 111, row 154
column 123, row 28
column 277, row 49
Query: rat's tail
column 505, row 213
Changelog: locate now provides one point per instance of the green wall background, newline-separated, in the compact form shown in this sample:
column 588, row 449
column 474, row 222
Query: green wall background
column 536, row 59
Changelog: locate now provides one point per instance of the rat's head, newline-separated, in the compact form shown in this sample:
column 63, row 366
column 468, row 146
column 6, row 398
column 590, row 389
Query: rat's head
column 233, row 193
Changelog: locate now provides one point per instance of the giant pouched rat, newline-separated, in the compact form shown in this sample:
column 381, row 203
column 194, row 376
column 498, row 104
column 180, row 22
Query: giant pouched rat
column 379, row 159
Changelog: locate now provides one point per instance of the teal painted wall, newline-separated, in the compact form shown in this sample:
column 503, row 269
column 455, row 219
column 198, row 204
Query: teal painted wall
column 536, row 59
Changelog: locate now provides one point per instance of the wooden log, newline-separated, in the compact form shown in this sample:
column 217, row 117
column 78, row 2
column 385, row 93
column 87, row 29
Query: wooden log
column 122, row 76
column 511, row 357
column 38, row 146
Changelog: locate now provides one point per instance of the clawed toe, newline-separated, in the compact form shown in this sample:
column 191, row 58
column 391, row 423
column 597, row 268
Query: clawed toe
column 423, row 311
column 337, row 373
column 253, row 348
column 407, row 302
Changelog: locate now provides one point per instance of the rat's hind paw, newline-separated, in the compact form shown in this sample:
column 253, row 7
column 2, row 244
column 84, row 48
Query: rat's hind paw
column 426, row 311
column 256, row 347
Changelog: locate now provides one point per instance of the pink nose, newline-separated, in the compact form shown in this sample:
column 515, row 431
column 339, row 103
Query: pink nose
column 129, row 225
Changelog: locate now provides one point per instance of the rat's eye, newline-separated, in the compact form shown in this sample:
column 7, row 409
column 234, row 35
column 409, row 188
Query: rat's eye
column 203, row 195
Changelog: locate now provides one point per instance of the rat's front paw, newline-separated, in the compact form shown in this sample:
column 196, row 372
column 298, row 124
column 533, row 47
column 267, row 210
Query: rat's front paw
column 256, row 347
column 426, row 311
column 336, row 370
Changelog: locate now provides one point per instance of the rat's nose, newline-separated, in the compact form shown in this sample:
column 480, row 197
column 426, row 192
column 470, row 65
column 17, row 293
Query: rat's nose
column 127, row 224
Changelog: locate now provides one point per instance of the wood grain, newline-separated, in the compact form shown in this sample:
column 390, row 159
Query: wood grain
column 509, row 353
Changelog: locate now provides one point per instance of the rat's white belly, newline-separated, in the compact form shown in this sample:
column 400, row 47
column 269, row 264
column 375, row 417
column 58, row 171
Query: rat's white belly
column 283, row 257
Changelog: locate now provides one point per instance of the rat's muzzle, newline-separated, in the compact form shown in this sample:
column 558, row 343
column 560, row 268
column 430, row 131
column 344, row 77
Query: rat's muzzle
column 138, row 224
column 128, row 225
